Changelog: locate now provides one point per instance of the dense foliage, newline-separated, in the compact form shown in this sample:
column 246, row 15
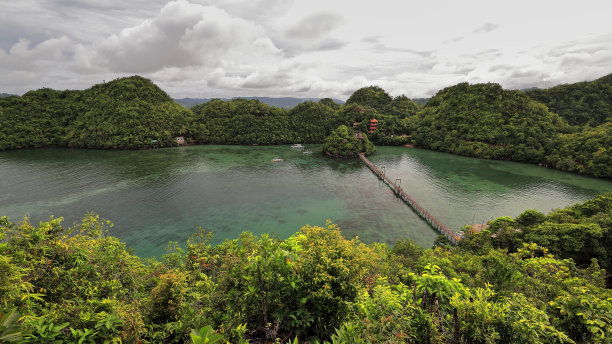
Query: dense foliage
column 124, row 113
column 282, row 102
column 480, row 120
column 343, row 142
column 486, row 121
column 243, row 121
column 379, row 100
column 539, row 284
column 582, row 103
column 581, row 232
column 588, row 151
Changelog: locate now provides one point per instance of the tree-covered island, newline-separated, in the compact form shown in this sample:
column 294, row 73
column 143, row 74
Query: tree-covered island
column 481, row 120
column 344, row 142
column 535, row 278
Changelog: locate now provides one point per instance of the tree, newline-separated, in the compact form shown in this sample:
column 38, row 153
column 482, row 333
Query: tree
column 343, row 143
column 372, row 96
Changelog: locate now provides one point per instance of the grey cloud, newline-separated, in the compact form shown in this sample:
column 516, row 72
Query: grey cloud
column 581, row 60
column 548, row 66
column 259, row 11
column 25, row 56
column 328, row 44
column 114, row 5
column 500, row 67
column 391, row 70
column 454, row 39
column 487, row 27
column 455, row 68
column 303, row 89
column 528, row 73
column 464, row 70
column 181, row 35
column 371, row 39
column 423, row 53
column 314, row 26
column 312, row 33
column 379, row 47
column 258, row 80
column 347, row 92
column 78, row 19
column 486, row 52
column 590, row 46
column 521, row 79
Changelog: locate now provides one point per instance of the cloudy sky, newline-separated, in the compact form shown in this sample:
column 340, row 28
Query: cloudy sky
column 302, row 48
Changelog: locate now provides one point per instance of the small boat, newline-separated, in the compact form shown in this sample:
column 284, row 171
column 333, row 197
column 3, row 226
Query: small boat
column 308, row 151
column 277, row 159
column 298, row 146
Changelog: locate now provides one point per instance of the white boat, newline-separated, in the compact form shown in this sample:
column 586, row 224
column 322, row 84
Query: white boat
column 277, row 159
column 298, row 146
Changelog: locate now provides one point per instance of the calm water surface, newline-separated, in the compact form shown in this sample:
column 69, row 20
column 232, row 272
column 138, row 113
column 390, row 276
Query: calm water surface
column 163, row 195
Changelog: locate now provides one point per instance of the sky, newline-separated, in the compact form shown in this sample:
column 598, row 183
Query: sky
column 302, row 48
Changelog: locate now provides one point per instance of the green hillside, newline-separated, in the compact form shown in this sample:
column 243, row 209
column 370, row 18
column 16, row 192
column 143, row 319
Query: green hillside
column 486, row 121
column 588, row 151
column 379, row 100
column 124, row 113
column 342, row 143
column 582, row 103
column 532, row 279
column 481, row 120
column 242, row 121
column 281, row 102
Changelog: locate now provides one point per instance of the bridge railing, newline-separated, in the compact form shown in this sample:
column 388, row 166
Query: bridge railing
column 399, row 192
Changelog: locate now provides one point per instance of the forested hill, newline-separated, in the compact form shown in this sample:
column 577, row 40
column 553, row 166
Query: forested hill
column 242, row 121
column 582, row 103
column 481, row 120
column 486, row 121
column 281, row 102
column 124, row 113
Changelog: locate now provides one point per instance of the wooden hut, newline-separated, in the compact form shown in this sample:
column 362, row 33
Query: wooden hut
column 154, row 144
column 180, row 140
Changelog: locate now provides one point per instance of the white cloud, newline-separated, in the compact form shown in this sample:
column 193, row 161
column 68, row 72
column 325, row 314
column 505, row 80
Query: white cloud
column 486, row 27
column 312, row 33
column 181, row 35
column 23, row 56
column 316, row 48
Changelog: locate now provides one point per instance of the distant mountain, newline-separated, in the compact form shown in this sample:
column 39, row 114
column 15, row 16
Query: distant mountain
column 4, row 95
column 282, row 102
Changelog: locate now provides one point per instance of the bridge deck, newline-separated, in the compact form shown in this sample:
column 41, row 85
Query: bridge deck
column 399, row 192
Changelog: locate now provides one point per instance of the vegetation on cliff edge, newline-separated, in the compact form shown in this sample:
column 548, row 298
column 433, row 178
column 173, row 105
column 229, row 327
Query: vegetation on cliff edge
column 532, row 279
column 482, row 120
column 343, row 142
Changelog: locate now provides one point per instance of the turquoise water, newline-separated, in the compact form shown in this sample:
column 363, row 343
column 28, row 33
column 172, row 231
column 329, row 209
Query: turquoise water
column 156, row 196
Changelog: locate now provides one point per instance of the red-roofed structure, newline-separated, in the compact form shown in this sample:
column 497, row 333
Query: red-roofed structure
column 373, row 125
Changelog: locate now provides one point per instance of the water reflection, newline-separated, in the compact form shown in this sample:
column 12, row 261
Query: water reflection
column 154, row 196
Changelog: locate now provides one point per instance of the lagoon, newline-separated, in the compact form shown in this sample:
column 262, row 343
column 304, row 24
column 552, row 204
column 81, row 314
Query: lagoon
column 162, row 195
